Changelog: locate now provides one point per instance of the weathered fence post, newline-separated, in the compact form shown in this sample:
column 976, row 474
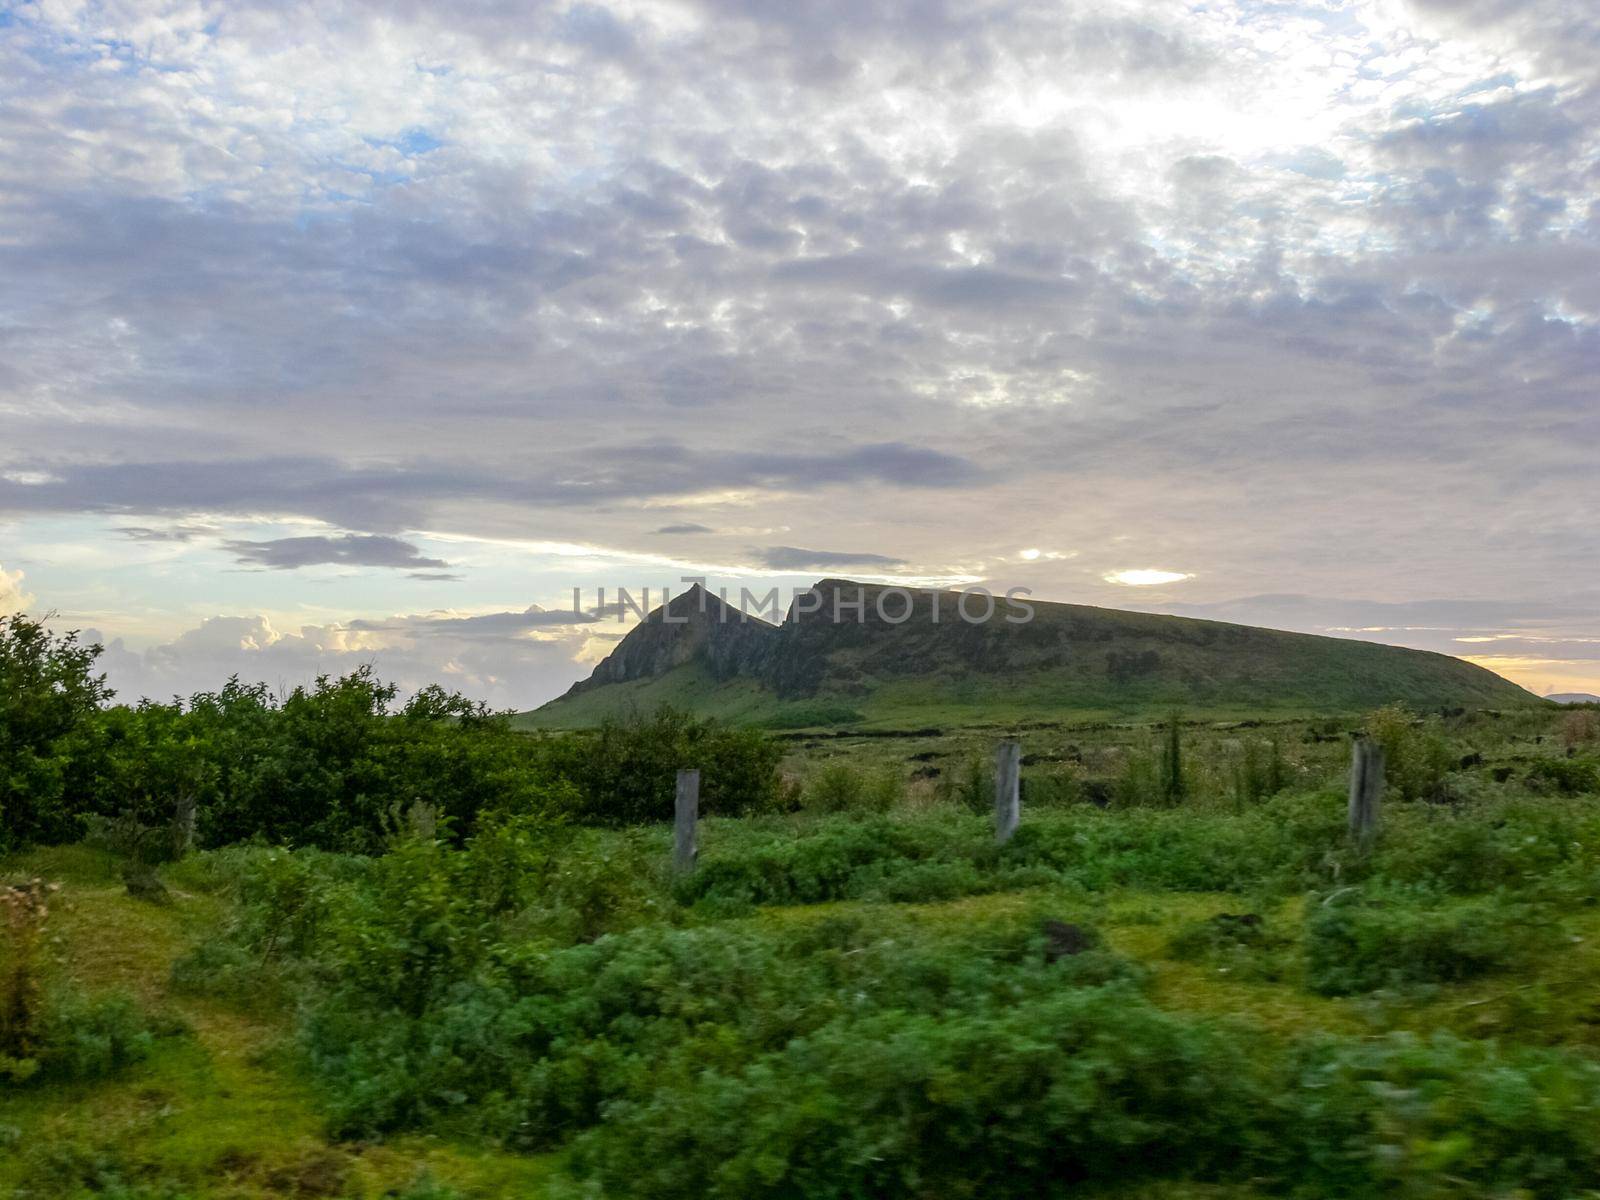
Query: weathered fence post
column 1366, row 787
column 686, row 820
column 1007, row 790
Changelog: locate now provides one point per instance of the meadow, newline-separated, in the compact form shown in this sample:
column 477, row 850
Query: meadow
column 325, row 945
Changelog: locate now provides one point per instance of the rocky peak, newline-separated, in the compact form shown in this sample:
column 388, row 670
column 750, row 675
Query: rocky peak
column 696, row 624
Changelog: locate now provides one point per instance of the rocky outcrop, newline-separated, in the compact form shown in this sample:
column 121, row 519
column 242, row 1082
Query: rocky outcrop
column 693, row 626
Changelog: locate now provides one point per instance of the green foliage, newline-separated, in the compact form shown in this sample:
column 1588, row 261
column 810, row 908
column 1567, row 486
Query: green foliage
column 1363, row 940
column 626, row 772
column 969, row 784
column 1417, row 755
column 1090, row 1086
column 1259, row 771
column 1565, row 776
column 841, row 788
column 545, row 1041
column 333, row 765
column 49, row 693
column 1286, row 843
column 1400, row 1115
column 79, row 1038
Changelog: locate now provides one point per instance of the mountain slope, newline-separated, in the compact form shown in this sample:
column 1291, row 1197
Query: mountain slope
column 1068, row 660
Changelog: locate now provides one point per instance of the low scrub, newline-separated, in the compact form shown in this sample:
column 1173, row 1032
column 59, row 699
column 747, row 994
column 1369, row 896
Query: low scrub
column 1364, row 940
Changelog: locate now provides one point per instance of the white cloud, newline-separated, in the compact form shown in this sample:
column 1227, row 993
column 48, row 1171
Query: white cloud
column 1146, row 577
column 12, row 598
column 1309, row 296
column 512, row 660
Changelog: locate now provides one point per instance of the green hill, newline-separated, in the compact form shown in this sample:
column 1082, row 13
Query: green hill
column 1069, row 660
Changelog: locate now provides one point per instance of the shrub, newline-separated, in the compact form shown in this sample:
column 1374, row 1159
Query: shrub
column 995, row 1100
column 1363, row 941
column 626, row 773
column 1400, row 1115
column 839, row 788
column 543, row 1041
column 78, row 1038
column 1417, row 756
column 1565, row 776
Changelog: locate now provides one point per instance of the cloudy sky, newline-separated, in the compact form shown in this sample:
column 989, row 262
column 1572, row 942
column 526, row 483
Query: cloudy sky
column 360, row 332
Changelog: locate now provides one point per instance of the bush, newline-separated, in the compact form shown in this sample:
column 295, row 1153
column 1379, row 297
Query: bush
column 1565, row 776
column 1363, row 941
column 1417, row 756
column 1399, row 1115
column 626, row 773
column 839, row 788
column 996, row 1100
column 543, row 1041
column 80, row 1038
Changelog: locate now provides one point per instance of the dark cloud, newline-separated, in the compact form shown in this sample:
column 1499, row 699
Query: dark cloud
column 395, row 497
column 793, row 558
column 352, row 550
column 491, row 625
column 684, row 527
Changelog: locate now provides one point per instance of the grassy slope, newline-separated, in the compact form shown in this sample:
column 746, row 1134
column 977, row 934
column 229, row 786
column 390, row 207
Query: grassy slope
column 218, row 1112
column 1070, row 661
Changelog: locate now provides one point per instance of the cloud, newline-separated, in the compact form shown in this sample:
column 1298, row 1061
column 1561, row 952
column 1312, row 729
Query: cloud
column 12, row 598
column 354, row 550
column 684, row 527
column 398, row 496
column 793, row 558
column 172, row 533
column 1146, row 577
column 512, row 660
column 1314, row 302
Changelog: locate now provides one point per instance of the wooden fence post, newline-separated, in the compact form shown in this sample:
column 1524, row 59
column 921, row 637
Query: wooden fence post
column 1007, row 790
column 686, row 820
column 1366, row 787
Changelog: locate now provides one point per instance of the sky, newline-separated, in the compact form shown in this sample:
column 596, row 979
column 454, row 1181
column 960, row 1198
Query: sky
column 362, row 332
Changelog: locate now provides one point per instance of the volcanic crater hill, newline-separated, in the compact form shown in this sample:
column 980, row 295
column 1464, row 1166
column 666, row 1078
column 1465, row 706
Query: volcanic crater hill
column 706, row 655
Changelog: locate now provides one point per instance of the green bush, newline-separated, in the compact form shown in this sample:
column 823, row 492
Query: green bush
column 544, row 1041
column 626, row 773
column 1360, row 941
column 1074, row 1089
column 1417, row 755
column 840, row 788
column 1565, row 776
column 82, row 1037
column 1403, row 1116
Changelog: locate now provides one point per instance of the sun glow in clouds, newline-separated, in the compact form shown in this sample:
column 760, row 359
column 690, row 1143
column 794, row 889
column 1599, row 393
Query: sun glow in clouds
column 1146, row 577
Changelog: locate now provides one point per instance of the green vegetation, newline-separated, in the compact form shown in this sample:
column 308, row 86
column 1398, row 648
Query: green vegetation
column 406, row 951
